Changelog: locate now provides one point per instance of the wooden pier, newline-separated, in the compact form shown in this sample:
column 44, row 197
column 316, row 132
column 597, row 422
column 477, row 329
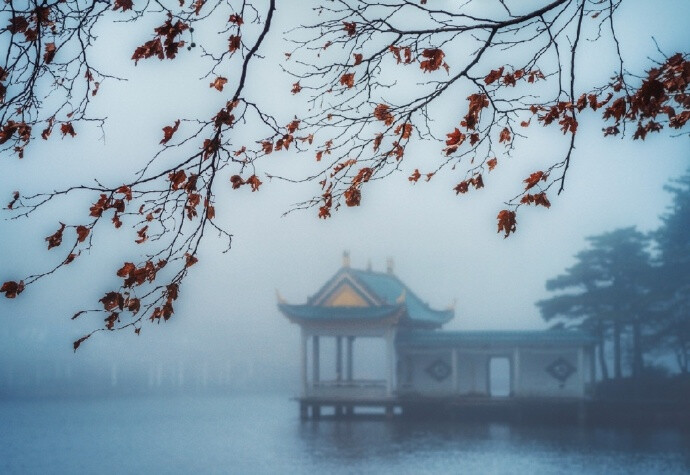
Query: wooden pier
column 470, row 408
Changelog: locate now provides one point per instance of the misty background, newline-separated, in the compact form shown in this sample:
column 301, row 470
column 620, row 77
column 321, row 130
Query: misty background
column 227, row 334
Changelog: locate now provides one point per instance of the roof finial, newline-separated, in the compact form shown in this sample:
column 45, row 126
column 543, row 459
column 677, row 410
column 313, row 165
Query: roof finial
column 346, row 259
column 369, row 265
column 389, row 265
column 279, row 297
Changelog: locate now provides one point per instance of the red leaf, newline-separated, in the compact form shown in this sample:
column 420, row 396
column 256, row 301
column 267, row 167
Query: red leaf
column 177, row 179
column 434, row 60
column 534, row 178
column 254, row 182
column 142, row 235
column 505, row 135
column 219, row 83
column 66, row 128
column 381, row 113
column 125, row 5
column 350, row 28
column 49, row 53
column 112, row 300
column 494, row 75
column 234, row 43
column 168, row 132
column 190, row 260
column 506, row 222
column 347, row 79
column 12, row 288
column 80, row 341
column 55, row 239
column 455, row 138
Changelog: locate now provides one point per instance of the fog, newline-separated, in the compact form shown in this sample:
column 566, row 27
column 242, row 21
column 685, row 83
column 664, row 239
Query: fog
column 227, row 334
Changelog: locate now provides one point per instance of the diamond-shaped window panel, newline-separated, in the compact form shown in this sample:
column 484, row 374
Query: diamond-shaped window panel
column 561, row 370
column 439, row 370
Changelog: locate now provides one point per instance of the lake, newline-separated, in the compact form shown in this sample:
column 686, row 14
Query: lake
column 263, row 434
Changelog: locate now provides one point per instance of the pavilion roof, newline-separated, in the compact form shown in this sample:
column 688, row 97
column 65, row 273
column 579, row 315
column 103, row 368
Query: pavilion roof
column 379, row 296
column 421, row 338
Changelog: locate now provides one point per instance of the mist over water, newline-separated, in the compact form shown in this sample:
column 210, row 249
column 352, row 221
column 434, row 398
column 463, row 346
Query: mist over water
column 262, row 434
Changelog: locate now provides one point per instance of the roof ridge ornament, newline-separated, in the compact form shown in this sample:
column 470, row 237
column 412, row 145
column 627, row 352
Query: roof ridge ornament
column 402, row 298
column 389, row 265
column 346, row 259
column 280, row 297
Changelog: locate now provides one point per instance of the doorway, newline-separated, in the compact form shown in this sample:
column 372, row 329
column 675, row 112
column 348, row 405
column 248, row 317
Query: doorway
column 499, row 376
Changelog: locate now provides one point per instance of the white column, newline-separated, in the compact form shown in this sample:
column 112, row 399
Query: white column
column 350, row 342
column 516, row 372
column 390, row 357
column 339, row 358
column 303, row 350
column 454, row 368
column 315, row 360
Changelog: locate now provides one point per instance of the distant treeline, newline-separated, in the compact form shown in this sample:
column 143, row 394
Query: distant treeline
column 632, row 290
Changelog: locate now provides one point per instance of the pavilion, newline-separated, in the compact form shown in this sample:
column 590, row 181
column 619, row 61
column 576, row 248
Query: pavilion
column 424, row 364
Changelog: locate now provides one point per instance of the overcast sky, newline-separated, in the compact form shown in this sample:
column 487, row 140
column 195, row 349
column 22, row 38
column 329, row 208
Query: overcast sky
column 445, row 247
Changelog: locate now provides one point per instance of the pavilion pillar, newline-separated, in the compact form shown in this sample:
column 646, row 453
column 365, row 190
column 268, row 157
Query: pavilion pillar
column 515, row 379
column 339, row 358
column 315, row 360
column 390, row 359
column 303, row 354
column 349, row 368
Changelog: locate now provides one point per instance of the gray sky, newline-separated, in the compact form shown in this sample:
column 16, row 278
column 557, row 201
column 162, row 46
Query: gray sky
column 445, row 247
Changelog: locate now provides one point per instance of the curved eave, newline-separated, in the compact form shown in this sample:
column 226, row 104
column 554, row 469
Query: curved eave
column 432, row 320
column 419, row 338
column 309, row 313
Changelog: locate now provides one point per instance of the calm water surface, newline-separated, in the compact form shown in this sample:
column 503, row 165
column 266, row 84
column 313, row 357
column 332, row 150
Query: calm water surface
column 262, row 434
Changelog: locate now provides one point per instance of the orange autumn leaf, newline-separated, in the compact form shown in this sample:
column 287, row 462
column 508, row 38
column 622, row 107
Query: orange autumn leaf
column 169, row 131
column 348, row 80
column 455, row 138
column 234, row 43
column 55, row 239
column 382, row 113
column 434, row 60
column 405, row 130
column 534, row 178
column 82, row 233
column 67, row 128
column 177, row 179
column 190, row 260
column 254, row 182
column 494, row 75
column 506, row 222
column 505, row 136
column 218, row 83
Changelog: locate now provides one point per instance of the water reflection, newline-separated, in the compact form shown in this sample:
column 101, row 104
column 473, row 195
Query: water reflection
column 407, row 446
